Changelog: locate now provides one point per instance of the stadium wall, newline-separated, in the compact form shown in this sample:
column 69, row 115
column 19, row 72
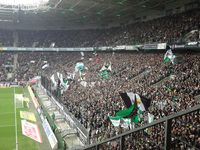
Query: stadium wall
column 52, row 125
column 153, row 46
column 45, row 122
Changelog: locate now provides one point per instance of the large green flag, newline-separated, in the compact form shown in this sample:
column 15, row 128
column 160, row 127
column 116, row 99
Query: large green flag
column 136, row 119
column 125, row 112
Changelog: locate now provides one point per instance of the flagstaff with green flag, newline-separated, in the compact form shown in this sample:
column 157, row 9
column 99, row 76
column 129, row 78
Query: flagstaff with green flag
column 80, row 67
column 134, row 113
column 169, row 57
column 105, row 71
column 125, row 112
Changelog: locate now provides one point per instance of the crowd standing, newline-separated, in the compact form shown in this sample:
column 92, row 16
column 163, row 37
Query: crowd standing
column 170, row 29
column 170, row 87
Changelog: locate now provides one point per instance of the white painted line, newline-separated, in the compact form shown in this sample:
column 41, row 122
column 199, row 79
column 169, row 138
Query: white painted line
column 4, row 126
column 16, row 138
column 7, row 113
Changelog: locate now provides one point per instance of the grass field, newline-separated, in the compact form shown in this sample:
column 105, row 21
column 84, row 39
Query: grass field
column 11, row 137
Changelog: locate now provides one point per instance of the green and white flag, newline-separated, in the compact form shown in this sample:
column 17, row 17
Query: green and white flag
column 79, row 67
column 125, row 122
column 126, row 112
column 115, row 121
column 169, row 57
column 106, row 67
column 63, row 82
column 105, row 71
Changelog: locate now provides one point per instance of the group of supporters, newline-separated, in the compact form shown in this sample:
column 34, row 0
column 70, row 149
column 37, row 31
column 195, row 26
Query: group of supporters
column 167, row 29
column 6, row 59
column 92, row 98
column 94, row 80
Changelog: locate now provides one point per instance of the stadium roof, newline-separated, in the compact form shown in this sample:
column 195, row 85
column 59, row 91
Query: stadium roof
column 22, row 2
column 88, row 13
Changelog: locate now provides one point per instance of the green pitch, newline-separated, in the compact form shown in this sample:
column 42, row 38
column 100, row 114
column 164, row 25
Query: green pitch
column 11, row 137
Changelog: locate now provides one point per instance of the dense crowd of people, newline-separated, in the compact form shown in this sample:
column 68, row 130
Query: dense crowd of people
column 6, row 38
column 170, row 29
column 170, row 87
column 6, row 61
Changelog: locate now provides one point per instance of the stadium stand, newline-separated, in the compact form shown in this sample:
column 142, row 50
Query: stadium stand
column 168, row 29
column 170, row 87
column 6, row 38
column 142, row 73
column 158, row 135
column 138, row 72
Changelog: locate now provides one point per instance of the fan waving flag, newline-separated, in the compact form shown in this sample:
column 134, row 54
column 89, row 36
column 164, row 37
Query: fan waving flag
column 125, row 112
column 135, row 104
column 142, row 102
column 150, row 118
column 79, row 67
column 128, row 98
column 53, row 80
column 64, row 84
column 105, row 71
column 45, row 66
column 169, row 57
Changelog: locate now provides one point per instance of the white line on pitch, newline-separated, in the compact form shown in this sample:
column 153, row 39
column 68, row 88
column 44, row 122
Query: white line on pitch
column 3, row 126
column 16, row 138
column 7, row 113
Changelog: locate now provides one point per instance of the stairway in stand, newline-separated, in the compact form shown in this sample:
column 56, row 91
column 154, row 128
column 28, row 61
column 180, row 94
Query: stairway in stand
column 15, row 62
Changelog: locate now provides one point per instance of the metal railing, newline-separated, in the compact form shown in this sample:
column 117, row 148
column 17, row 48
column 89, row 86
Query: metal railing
column 158, row 134
column 69, row 117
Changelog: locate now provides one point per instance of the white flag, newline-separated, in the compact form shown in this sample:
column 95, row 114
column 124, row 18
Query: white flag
column 53, row 80
column 150, row 118
column 45, row 66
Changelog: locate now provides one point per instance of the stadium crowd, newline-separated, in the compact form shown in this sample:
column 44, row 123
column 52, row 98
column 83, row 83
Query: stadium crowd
column 171, row 88
column 6, row 59
column 168, row 29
